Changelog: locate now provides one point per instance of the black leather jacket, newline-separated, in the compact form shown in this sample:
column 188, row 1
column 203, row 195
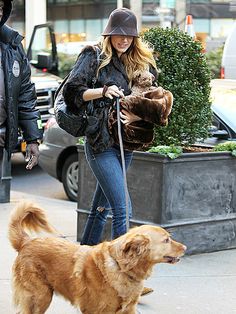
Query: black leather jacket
column 20, row 92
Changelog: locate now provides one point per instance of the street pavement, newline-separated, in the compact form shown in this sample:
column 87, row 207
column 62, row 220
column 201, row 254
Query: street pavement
column 198, row 284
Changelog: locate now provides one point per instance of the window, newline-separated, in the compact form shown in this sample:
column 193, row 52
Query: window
column 93, row 29
column 77, row 30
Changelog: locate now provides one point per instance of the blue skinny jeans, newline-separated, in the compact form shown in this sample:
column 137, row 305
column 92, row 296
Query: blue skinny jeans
column 109, row 193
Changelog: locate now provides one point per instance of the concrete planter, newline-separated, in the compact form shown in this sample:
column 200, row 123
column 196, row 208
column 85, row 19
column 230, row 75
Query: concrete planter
column 193, row 197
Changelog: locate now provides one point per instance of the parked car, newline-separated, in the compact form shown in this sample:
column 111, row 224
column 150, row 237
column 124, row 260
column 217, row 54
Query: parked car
column 58, row 153
column 59, row 158
column 223, row 93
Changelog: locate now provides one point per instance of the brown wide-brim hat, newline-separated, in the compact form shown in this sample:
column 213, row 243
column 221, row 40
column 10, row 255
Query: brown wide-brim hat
column 121, row 22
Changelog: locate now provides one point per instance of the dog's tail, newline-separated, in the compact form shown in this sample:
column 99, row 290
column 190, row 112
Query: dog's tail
column 26, row 216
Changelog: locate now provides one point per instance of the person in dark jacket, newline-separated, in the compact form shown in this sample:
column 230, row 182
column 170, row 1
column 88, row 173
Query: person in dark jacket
column 122, row 53
column 17, row 98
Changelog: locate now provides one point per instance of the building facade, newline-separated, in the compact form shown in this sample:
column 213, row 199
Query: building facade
column 84, row 20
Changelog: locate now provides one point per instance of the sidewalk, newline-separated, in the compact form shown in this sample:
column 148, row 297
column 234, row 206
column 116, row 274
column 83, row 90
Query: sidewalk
column 198, row 284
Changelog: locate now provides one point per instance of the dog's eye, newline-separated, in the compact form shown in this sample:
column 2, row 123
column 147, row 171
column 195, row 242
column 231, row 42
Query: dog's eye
column 167, row 240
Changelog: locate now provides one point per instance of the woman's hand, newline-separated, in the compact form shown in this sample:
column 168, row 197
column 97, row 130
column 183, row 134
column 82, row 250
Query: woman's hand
column 126, row 117
column 113, row 91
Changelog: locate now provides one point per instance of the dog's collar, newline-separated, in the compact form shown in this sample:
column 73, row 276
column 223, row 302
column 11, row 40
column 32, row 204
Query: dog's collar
column 131, row 278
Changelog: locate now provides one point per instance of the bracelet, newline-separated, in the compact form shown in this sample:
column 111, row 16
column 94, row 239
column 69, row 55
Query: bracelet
column 104, row 90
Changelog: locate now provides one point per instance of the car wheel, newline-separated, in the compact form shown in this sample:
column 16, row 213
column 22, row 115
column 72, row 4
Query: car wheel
column 70, row 177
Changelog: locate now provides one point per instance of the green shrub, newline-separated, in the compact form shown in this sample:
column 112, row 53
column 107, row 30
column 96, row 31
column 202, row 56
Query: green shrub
column 185, row 73
column 227, row 146
column 170, row 151
column 66, row 63
column 213, row 59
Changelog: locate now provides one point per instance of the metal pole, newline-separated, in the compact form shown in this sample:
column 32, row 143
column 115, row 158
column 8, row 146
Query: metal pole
column 136, row 7
column 119, row 4
column 5, row 176
column 35, row 13
column 164, row 11
column 180, row 9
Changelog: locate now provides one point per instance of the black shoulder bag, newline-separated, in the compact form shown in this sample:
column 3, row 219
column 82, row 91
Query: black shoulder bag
column 74, row 124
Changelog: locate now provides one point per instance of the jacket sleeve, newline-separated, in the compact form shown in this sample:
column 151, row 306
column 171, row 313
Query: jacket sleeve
column 28, row 116
column 80, row 78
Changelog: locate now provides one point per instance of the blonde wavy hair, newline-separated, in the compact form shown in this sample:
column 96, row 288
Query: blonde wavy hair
column 138, row 58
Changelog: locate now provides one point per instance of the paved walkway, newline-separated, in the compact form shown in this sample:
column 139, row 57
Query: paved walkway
column 198, row 284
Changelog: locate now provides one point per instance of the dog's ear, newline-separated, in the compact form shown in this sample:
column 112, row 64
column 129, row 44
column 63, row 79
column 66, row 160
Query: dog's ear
column 134, row 249
column 155, row 93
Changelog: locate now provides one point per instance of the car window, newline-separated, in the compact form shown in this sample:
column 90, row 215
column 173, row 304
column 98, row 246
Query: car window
column 223, row 96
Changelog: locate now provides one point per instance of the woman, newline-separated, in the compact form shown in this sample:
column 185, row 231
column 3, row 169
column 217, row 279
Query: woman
column 122, row 53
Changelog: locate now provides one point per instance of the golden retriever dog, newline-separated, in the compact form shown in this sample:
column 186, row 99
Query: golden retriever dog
column 103, row 279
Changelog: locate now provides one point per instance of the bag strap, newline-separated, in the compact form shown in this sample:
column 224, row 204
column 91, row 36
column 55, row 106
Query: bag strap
column 94, row 80
column 61, row 85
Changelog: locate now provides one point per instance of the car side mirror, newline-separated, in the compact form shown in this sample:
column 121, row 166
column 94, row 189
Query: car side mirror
column 221, row 134
column 44, row 61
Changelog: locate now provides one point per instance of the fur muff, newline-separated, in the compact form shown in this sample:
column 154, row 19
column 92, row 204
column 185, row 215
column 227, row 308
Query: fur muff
column 152, row 104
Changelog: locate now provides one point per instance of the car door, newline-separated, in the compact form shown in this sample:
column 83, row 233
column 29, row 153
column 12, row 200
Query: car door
column 42, row 51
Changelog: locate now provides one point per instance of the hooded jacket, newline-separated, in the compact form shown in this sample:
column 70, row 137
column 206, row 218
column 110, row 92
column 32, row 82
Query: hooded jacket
column 20, row 93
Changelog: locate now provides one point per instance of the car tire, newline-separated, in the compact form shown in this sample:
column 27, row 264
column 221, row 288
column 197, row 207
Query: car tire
column 70, row 177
